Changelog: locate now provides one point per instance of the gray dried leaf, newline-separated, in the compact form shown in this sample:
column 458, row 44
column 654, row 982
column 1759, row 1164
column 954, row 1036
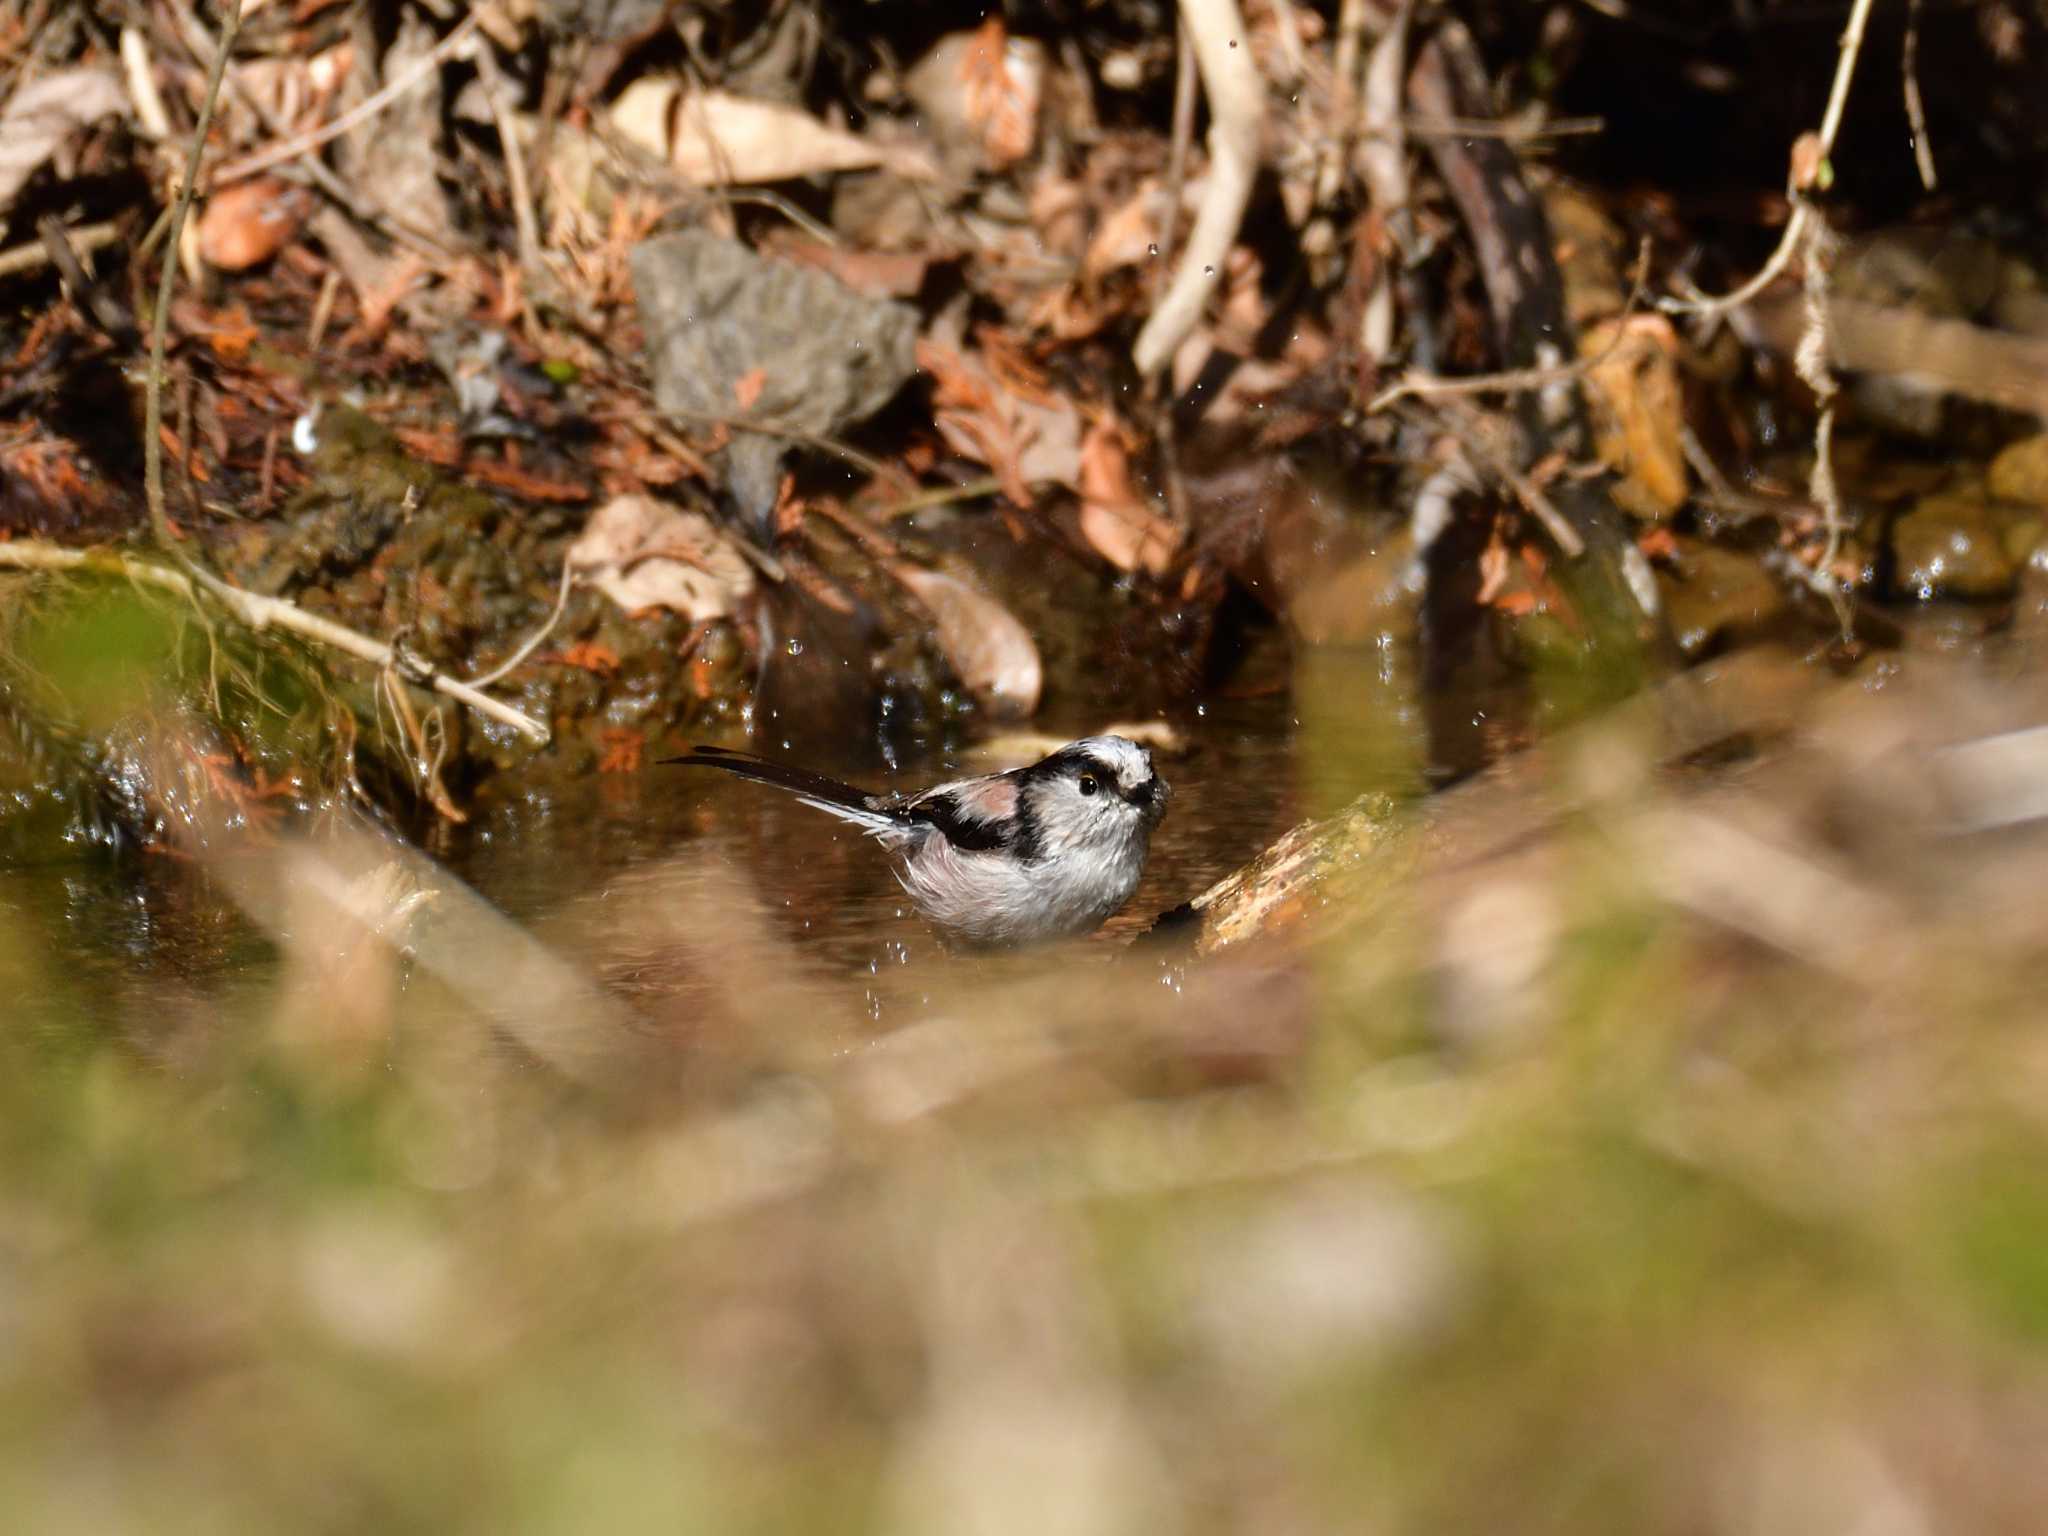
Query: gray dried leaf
column 989, row 650
column 643, row 553
column 733, row 336
column 46, row 112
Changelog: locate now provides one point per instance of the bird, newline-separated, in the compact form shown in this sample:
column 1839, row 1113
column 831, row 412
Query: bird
column 1048, row 851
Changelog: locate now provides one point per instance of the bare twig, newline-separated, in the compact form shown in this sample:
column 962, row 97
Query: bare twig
column 1811, row 362
column 1236, row 107
column 532, row 641
column 1805, row 157
column 259, row 612
column 941, row 496
column 523, row 217
column 1319, row 240
column 291, row 149
column 153, row 403
column 103, row 306
column 1515, row 380
column 1479, row 445
column 1513, row 133
column 83, row 239
column 1916, row 113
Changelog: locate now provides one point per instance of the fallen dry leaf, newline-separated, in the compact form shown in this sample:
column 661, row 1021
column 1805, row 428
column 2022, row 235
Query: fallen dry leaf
column 250, row 222
column 1639, row 407
column 990, row 651
column 1117, row 522
column 1023, row 441
column 887, row 274
column 644, row 553
column 980, row 94
column 44, row 113
column 1129, row 237
column 714, row 138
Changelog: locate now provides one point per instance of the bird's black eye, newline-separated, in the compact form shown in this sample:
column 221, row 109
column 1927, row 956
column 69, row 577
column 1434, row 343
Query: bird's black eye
column 1089, row 784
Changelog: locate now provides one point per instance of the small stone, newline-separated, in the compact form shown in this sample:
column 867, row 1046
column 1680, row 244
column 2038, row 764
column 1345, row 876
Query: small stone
column 1714, row 596
column 2020, row 472
column 1950, row 546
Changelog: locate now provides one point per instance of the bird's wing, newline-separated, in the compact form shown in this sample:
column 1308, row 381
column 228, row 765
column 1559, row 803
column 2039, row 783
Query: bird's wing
column 868, row 812
column 976, row 815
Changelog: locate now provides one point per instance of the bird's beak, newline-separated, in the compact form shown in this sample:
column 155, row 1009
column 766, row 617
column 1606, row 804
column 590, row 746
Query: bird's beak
column 1151, row 797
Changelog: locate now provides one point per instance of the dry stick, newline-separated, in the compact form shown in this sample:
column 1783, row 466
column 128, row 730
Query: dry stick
column 252, row 609
column 1161, row 400
column 1319, row 240
column 83, row 239
column 1810, row 360
column 1181, row 135
column 1531, row 495
column 1515, row 380
column 1382, row 163
column 1916, row 114
column 1806, row 234
column 523, row 217
column 1802, row 211
column 291, row 149
column 153, row 404
column 532, row 642
column 1512, row 133
column 1236, row 106
column 106, row 310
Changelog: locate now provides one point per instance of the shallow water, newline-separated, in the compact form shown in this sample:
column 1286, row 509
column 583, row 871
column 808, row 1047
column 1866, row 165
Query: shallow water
column 830, row 888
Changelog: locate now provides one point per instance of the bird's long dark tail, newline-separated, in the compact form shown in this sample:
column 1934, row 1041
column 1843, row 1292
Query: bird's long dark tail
column 833, row 796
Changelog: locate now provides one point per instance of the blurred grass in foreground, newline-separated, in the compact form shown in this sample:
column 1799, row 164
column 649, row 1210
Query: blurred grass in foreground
column 1668, row 1232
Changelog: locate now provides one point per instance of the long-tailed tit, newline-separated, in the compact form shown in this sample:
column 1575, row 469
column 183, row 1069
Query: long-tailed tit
column 1043, row 852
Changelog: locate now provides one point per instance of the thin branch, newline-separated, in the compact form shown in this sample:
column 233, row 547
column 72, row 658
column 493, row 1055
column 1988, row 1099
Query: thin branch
column 532, row 642
column 260, row 612
column 1515, row 380
column 1916, row 113
column 83, row 239
column 1237, row 102
column 523, row 217
column 153, row 404
column 1804, row 159
column 291, row 149
column 1527, row 491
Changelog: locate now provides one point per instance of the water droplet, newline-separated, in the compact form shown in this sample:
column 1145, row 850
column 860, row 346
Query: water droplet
column 1208, row 271
column 1233, row 42
column 1201, row 711
column 795, row 646
column 1151, row 250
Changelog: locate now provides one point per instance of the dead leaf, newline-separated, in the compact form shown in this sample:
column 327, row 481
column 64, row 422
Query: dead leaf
column 888, row 274
column 1639, row 406
column 990, row 651
column 980, row 94
column 644, row 553
column 44, row 113
column 1129, row 237
column 1002, row 86
column 1023, row 441
column 714, row 138
column 250, row 222
column 1117, row 522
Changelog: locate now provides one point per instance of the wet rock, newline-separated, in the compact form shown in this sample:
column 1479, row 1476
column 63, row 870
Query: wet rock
column 1714, row 596
column 732, row 336
column 2020, row 472
column 1951, row 546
